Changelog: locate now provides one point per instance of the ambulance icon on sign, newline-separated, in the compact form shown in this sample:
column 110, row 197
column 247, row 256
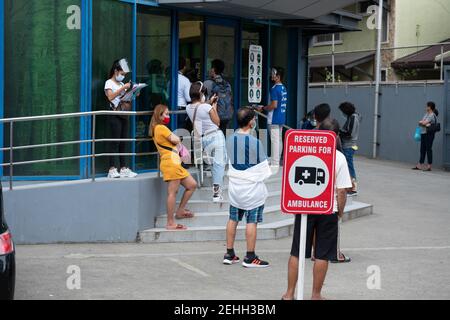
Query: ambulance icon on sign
column 308, row 175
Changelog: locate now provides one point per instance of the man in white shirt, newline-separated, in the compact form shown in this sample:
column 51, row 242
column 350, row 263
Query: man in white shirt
column 184, row 87
column 324, row 226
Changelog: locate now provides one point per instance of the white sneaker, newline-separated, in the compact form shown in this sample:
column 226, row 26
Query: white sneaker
column 113, row 174
column 127, row 173
column 217, row 194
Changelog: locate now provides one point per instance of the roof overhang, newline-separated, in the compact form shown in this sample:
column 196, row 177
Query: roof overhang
column 318, row 16
column 426, row 58
column 344, row 60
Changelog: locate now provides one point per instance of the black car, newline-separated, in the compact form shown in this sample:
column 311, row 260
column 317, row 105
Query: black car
column 7, row 258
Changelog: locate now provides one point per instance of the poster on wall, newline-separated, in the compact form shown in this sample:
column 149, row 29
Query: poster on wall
column 255, row 74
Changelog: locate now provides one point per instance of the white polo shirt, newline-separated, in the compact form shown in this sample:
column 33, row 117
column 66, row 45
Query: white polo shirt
column 184, row 87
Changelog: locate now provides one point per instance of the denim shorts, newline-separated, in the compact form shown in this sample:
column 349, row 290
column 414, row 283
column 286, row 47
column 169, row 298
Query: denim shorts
column 254, row 216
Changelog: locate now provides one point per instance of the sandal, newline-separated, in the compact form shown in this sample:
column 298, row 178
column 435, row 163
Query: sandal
column 345, row 260
column 187, row 215
column 176, row 228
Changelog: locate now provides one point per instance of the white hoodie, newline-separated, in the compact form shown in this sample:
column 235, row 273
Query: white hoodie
column 247, row 190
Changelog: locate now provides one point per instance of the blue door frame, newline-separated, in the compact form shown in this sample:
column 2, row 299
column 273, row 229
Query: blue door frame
column 446, row 119
column 86, row 69
column 2, row 77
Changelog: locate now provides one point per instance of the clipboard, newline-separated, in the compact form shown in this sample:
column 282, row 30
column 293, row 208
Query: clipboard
column 131, row 95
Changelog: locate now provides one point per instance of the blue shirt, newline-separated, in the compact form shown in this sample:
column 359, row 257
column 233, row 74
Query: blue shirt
column 279, row 93
column 245, row 151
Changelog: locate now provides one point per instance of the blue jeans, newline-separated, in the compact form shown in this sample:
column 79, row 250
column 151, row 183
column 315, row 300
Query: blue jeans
column 214, row 146
column 349, row 153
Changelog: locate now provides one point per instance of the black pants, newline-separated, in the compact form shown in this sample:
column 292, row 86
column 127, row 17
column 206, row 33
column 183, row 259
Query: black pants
column 119, row 130
column 224, row 126
column 426, row 145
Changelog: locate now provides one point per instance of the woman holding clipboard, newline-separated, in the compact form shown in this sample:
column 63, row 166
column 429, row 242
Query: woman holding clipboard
column 115, row 90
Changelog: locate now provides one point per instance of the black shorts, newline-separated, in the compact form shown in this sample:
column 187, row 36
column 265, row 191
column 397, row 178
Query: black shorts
column 326, row 228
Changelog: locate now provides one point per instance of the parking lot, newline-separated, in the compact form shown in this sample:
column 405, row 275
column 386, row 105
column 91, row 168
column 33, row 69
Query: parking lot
column 407, row 240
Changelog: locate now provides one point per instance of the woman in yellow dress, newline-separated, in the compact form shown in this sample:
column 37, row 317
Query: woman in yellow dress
column 173, row 173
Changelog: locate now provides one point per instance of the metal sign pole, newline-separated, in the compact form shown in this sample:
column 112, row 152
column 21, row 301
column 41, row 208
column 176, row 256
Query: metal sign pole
column 333, row 68
column 301, row 257
column 377, row 80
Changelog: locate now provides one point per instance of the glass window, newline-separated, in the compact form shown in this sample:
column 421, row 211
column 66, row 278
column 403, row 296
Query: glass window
column 191, row 45
column 112, row 40
column 42, row 76
column 153, row 68
column 221, row 42
column 327, row 39
column 280, row 51
column 385, row 26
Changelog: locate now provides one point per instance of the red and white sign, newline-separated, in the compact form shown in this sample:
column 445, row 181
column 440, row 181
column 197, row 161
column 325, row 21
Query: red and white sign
column 309, row 172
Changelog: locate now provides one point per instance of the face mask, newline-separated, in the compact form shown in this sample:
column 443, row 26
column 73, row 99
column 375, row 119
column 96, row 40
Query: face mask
column 254, row 126
column 314, row 123
column 203, row 100
column 166, row 121
column 120, row 78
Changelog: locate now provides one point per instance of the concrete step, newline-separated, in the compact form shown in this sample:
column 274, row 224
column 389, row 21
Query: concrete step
column 272, row 184
column 266, row 231
column 207, row 205
column 207, row 183
column 205, row 193
column 271, row 214
column 357, row 210
column 205, row 219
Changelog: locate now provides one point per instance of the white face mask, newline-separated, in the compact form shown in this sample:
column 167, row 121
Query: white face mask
column 120, row 78
column 254, row 126
column 203, row 99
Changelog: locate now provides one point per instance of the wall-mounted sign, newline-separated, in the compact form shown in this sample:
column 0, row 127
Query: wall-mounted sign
column 255, row 70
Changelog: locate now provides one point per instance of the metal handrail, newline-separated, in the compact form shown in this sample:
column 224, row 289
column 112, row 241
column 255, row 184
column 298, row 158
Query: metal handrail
column 93, row 141
column 94, row 114
column 58, row 144
column 266, row 117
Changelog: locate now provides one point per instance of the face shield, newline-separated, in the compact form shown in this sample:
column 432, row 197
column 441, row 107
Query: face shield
column 124, row 65
column 274, row 72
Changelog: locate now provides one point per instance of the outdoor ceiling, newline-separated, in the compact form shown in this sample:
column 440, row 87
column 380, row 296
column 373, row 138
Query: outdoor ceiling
column 265, row 9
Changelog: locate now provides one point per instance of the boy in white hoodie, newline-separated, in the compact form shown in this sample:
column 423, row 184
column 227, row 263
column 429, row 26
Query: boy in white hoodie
column 249, row 168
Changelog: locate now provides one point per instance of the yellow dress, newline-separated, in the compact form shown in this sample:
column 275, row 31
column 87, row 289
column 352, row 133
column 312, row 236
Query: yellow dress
column 170, row 166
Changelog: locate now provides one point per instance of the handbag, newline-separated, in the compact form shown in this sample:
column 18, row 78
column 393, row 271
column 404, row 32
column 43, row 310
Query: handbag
column 184, row 154
column 418, row 134
column 434, row 127
column 181, row 151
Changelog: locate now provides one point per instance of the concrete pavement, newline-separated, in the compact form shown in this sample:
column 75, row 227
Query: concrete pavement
column 408, row 239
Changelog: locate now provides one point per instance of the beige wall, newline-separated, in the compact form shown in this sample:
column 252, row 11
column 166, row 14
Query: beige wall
column 421, row 22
